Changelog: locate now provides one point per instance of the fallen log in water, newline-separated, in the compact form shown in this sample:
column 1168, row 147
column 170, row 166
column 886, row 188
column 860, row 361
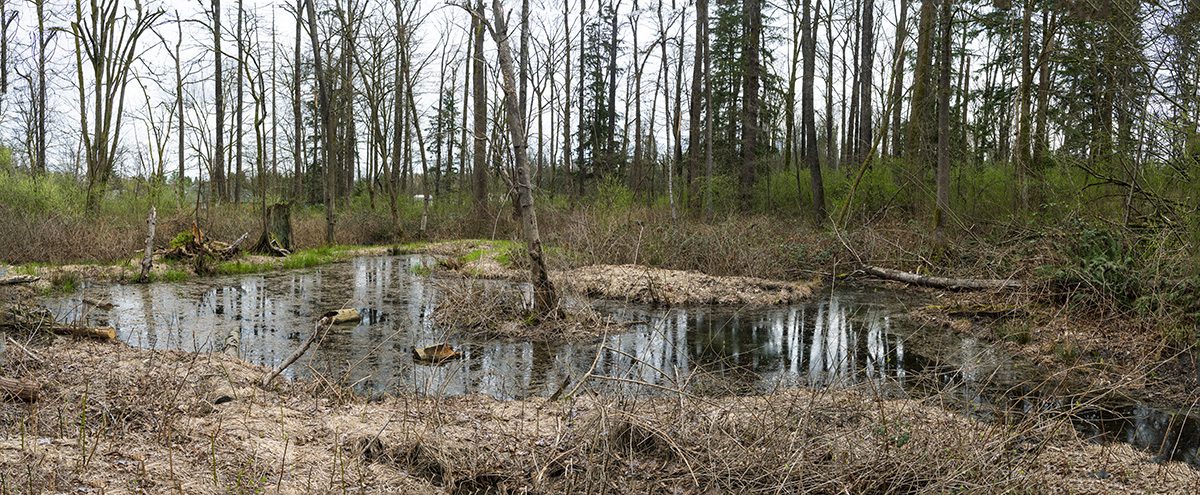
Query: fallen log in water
column 26, row 318
column 19, row 389
column 18, row 279
column 941, row 282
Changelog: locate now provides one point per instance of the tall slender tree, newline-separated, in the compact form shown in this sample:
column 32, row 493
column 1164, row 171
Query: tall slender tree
column 751, row 79
column 218, row 161
column 480, row 112
column 545, row 297
column 942, row 212
column 808, row 110
column 865, row 70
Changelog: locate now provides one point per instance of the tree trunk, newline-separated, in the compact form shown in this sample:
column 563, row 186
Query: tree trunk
column 898, row 77
column 752, row 11
column 866, row 69
column 1040, row 136
column 545, row 297
column 808, row 111
column 943, row 129
column 479, row 81
column 694, row 104
column 218, row 161
column 298, row 166
column 148, row 258
column 327, row 127
column 179, row 109
column 830, row 138
column 920, row 114
column 239, row 175
column 39, row 165
column 1024, row 123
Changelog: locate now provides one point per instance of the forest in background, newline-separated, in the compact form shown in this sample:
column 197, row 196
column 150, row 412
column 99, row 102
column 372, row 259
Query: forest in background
column 941, row 133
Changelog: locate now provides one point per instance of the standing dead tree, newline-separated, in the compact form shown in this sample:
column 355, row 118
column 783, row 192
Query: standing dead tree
column 110, row 43
column 544, row 294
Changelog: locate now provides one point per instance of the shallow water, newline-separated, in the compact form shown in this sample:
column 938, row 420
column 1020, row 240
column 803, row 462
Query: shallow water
column 840, row 337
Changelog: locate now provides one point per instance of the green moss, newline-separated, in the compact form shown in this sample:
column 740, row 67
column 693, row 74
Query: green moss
column 181, row 239
column 421, row 271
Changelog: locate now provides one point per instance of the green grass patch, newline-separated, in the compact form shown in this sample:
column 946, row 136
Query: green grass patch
column 172, row 275
column 26, row 269
column 65, row 283
column 241, row 267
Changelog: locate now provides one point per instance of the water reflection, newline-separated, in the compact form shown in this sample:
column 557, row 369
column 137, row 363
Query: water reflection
column 830, row 342
column 834, row 340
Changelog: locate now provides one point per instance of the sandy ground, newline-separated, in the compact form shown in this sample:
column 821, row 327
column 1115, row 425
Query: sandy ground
column 114, row 419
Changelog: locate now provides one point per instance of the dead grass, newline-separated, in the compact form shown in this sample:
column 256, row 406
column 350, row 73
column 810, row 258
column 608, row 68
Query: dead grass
column 661, row 287
column 163, row 422
column 483, row 309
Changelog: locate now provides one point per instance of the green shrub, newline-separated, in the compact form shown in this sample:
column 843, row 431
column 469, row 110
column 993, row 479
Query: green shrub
column 1100, row 271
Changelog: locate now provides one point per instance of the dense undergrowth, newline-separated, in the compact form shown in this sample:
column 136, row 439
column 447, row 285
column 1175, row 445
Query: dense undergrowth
column 1093, row 247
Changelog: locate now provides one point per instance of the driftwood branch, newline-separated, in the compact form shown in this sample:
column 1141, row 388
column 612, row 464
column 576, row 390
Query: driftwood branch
column 24, row 318
column 18, row 279
column 235, row 247
column 318, row 330
column 19, row 389
column 941, row 282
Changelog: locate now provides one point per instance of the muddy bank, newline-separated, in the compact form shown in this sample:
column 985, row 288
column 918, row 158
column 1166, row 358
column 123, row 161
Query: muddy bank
column 1076, row 351
column 114, row 418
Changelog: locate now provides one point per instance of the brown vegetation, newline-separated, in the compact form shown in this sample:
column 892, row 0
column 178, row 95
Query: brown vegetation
column 167, row 421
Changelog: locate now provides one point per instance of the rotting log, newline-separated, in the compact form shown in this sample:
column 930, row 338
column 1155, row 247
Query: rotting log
column 341, row 316
column 941, row 282
column 233, row 343
column 197, row 249
column 18, row 279
column 234, row 248
column 36, row 318
column 19, row 389
column 436, row 354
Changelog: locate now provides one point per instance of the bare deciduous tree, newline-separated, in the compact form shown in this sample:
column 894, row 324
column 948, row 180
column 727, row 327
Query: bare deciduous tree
column 110, row 43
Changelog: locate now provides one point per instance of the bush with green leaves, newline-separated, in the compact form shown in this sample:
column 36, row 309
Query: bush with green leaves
column 1100, row 271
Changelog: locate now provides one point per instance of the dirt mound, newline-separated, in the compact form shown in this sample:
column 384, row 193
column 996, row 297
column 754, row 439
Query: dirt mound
column 675, row 287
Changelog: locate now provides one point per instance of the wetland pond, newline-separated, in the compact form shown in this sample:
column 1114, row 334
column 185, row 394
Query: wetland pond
column 841, row 337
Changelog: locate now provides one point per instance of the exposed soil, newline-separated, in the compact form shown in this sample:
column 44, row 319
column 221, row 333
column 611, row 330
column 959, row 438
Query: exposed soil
column 116, row 419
